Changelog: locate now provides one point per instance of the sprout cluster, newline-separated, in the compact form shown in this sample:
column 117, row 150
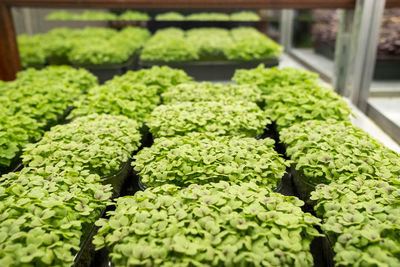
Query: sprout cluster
column 325, row 151
column 237, row 118
column 362, row 220
column 200, row 159
column 99, row 144
column 216, row 224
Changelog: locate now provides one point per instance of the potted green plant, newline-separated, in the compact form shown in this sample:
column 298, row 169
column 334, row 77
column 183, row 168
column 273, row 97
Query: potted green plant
column 135, row 101
column 361, row 219
column 289, row 105
column 214, row 224
column 35, row 101
column 322, row 152
column 100, row 144
column 210, row 53
column 267, row 79
column 200, row 159
column 206, row 91
column 162, row 77
column 237, row 118
column 45, row 215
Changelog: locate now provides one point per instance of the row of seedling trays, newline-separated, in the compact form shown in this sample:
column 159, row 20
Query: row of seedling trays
column 212, row 158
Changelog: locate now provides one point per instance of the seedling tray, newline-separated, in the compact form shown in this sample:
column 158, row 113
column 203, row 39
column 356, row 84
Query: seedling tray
column 155, row 25
column 108, row 71
column 85, row 255
column 302, row 186
column 211, row 70
column 118, row 178
column 328, row 252
column 386, row 67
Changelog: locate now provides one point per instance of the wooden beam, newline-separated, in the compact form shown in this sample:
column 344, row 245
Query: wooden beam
column 9, row 57
column 269, row 4
column 392, row 3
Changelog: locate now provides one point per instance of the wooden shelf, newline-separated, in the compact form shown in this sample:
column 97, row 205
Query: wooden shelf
column 269, row 4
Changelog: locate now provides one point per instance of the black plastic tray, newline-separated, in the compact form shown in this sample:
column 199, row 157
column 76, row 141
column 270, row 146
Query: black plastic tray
column 386, row 67
column 108, row 71
column 328, row 252
column 15, row 165
column 155, row 25
column 211, row 70
column 302, row 187
column 117, row 179
column 85, row 255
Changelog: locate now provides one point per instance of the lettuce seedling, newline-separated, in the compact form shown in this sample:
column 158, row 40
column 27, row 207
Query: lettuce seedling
column 135, row 101
column 245, row 16
column 45, row 215
column 134, row 15
column 206, row 91
column 219, row 224
column 161, row 77
column 293, row 104
column 250, row 44
column 268, row 79
column 361, row 217
column 326, row 150
column 97, row 143
column 169, row 16
column 33, row 102
column 217, row 118
column 200, row 159
column 208, row 16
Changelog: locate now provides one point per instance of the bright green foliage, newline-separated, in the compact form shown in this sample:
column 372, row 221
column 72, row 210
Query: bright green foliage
column 200, row 159
column 175, row 45
column 325, row 151
column 268, row 79
column 250, row 44
column 15, row 132
column 35, row 101
column 245, row 16
column 169, row 45
column 136, row 34
column 31, row 51
column 45, row 214
column 61, row 41
column 210, row 42
column 86, row 15
column 208, row 16
column 362, row 219
column 97, row 143
column 67, row 46
column 119, row 97
column 170, row 16
column 133, row 15
column 116, row 49
column 104, row 52
column 219, row 224
column 161, row 77
column 206, row 91
column 293, row 104
column 77, row 79
column 215, row 118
